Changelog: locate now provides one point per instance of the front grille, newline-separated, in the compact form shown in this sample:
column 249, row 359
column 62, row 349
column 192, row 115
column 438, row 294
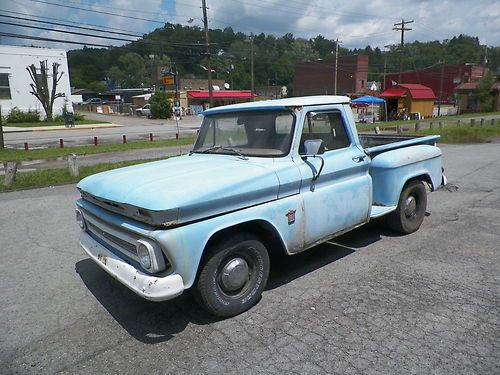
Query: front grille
column 111, row 236
column 115, row 241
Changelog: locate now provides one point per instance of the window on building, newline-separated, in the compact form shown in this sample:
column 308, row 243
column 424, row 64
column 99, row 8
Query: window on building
column 4, row 86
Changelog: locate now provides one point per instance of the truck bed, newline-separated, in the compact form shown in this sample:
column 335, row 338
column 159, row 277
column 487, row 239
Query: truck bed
column 375, row 144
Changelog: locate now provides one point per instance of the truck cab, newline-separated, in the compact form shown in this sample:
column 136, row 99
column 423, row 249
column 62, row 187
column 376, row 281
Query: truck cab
column 280, row 175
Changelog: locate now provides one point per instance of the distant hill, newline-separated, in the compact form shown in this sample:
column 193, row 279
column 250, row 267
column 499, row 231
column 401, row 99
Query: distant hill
column 182, row 48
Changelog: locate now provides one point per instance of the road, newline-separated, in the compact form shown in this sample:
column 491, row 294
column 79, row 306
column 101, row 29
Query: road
column 373, row 303
column 135, row 128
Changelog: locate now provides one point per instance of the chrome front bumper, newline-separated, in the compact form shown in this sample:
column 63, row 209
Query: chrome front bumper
column 149, row 287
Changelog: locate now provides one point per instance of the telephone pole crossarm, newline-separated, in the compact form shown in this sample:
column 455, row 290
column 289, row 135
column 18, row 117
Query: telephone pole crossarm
column 400, row 26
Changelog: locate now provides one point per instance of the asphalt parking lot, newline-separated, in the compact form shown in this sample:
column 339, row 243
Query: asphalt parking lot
column 373, row 303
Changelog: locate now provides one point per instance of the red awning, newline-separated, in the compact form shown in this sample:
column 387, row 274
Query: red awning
column 221, row 94
column 393, row 93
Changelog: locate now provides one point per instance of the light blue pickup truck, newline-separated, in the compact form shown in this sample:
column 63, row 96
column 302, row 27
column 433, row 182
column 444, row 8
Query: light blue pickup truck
column 280, row 176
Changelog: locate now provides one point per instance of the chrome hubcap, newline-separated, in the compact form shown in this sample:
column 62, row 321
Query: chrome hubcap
column 410, row 206
column 234, row 274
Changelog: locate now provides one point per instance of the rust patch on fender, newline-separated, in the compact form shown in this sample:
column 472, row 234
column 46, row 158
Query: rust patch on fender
column 102, row 258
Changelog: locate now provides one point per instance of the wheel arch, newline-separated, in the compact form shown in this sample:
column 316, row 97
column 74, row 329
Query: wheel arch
column 262, row 229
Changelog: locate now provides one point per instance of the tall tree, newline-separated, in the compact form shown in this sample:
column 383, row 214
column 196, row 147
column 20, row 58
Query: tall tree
column 483, row 93
column 40, row 85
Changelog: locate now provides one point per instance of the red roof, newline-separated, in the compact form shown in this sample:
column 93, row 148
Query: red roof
column 467, row 86
column 418, row 91
column 221, row 94
column 393, row 93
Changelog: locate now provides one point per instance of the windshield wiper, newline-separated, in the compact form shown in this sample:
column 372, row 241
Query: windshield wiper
column 229, row 149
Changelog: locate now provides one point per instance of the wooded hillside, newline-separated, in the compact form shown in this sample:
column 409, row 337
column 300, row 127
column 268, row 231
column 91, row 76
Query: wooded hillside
column 183, row 48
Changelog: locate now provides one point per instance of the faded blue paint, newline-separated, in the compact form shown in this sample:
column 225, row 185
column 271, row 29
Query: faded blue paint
column 207, row 193
column 192, row 187
column 428, row 139
column 392, row 169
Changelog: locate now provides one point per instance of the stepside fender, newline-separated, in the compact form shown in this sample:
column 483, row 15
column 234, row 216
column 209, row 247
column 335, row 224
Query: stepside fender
column 391, row 170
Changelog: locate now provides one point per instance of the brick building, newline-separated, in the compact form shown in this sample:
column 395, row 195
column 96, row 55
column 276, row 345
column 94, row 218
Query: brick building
column 318, row 77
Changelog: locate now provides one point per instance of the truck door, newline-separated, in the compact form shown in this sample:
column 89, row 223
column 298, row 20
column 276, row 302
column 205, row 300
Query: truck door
column 340, row 198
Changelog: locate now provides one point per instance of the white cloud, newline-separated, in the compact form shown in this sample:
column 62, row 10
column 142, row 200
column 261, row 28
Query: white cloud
column 357, row 23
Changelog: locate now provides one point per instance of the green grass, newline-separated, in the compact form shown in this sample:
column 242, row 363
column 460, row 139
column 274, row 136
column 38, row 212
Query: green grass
column 51, row 123
column 464, row 133
column 52, row 153
column 453, row 118
column 60, row 176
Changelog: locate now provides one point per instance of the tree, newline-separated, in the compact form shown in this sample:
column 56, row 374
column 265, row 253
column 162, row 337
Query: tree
column 160, row 105
column 134, row 69
column 483, row 93
column 40, row 86
column 97, row 86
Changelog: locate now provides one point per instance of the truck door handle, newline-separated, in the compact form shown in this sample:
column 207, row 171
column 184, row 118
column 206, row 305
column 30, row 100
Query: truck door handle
column 359, row 159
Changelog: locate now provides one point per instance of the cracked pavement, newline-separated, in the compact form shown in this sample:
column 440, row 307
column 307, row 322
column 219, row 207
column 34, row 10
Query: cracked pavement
column 369, row 302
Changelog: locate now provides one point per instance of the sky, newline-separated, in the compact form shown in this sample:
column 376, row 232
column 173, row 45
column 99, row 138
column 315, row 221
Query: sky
column 357, row 23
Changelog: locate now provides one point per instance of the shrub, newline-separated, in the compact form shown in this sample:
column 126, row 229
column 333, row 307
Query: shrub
column 160, row 105
column 16, row 115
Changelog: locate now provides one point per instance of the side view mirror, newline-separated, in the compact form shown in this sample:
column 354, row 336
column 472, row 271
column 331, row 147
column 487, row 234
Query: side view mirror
column 312, row 146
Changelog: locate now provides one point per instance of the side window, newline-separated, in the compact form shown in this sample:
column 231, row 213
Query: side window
column 327, row 126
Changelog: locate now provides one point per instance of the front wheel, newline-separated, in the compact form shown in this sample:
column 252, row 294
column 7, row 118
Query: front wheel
column 233, row 276
column 411, row 208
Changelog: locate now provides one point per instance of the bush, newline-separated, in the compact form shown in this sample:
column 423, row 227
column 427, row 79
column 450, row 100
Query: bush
column 160, row 105
column 62, row 118
column 16, row 116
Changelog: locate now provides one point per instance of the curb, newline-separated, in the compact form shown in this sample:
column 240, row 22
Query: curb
column 14, row 129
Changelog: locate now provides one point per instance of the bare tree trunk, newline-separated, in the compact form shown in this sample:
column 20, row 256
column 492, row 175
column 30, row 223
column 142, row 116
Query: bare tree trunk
column 40, row 86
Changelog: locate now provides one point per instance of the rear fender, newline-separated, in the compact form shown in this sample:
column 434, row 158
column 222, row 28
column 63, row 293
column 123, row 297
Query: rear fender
column 391, row 171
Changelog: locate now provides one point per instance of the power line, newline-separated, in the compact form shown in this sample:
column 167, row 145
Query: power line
column 57, row 19
column 31, row 37
column 71, row 26
column 98, row 11
column 65, row 31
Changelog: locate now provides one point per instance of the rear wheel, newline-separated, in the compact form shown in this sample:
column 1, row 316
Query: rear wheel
column 233, row 276
column 411, row 208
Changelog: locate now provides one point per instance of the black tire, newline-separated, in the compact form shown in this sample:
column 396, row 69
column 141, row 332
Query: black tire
column 411, row 208
column 218, row 288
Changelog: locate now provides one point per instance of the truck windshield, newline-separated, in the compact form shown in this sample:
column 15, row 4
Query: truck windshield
column 247, row 133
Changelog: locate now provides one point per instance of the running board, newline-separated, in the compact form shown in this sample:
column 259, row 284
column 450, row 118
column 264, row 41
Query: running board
column 378, row 211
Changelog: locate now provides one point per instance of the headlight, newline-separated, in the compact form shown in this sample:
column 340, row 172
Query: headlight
column 150, row 256
column 79, row 219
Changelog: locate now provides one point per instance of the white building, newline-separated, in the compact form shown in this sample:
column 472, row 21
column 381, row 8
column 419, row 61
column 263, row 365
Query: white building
column 15, row 79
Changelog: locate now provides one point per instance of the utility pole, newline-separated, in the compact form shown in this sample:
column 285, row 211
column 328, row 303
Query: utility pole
column 441, row 88
column 251, row 66
column 337, row 41
column 207, row 44
column 385, row 70
column 401, row 27
column 275, row 85
column 2, row 145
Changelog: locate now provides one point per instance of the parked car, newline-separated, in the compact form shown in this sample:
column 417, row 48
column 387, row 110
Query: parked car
column 144, row 111
column 94, row 101
column 271, row 176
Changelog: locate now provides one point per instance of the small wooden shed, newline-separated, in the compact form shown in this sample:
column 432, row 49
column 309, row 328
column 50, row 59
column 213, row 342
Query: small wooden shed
column 409, row 99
